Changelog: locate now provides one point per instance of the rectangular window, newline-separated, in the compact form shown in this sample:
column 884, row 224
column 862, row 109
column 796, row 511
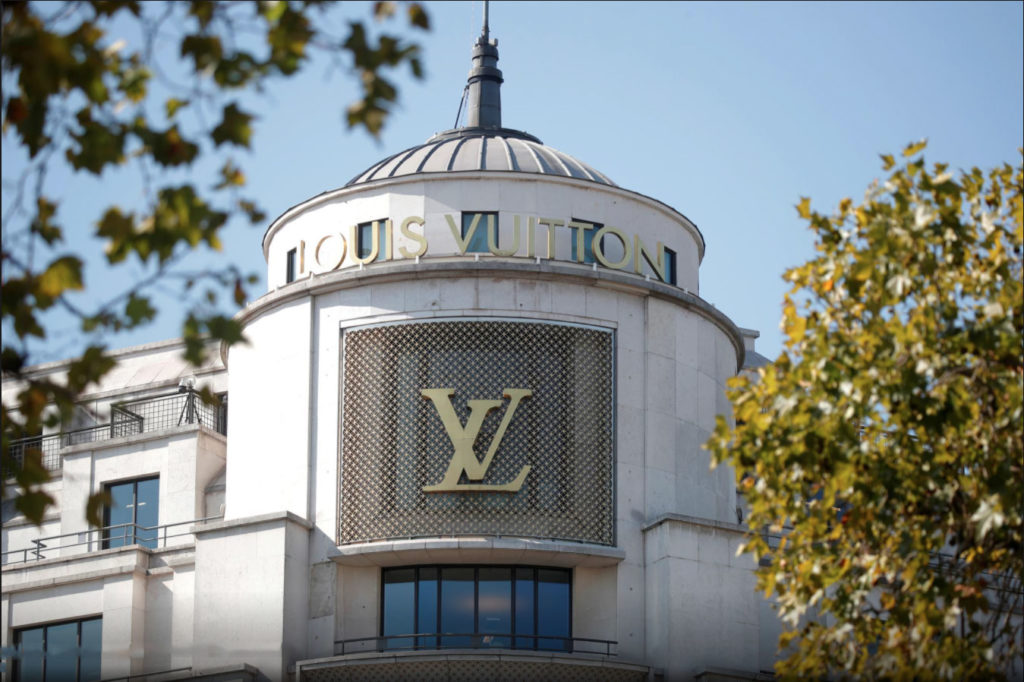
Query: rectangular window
column 366, row 236
column 133, row 513
column 484, row 221
column 670, row 266
column 501, row 607
column 290, row 266
column 588, row 241
column 59, row 652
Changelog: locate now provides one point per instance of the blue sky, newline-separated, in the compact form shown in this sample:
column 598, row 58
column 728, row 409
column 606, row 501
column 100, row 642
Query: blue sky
column 728, row 112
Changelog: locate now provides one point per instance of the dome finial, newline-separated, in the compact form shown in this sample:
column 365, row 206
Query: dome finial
column 484, row 81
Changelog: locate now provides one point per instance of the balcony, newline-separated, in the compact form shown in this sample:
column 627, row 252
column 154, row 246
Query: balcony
column 108, row 537
column 128, row 419
column 499, row 657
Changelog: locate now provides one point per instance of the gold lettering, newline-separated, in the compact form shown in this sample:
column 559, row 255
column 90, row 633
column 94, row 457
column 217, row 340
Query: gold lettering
column 492, row 238
column 596, row 245
column 302, row 256
column 409, row 234
column 551, row 223
column 353, row 244
column 463, row 437
column 463, row 242
column 319, row 245
column 531, row 234
column 640, row 249
column 581, row 232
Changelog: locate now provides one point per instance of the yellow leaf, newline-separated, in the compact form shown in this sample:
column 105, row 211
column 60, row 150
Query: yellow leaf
column 804, row 207
column 914, row 148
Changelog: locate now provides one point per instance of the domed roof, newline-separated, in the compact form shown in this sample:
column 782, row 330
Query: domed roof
column 482, row 144
column 479, row 149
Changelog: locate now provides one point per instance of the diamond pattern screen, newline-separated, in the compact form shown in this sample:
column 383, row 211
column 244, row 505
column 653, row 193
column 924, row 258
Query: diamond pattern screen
column 557, row 442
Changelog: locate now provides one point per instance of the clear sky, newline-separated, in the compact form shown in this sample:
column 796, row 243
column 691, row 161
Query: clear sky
column 728, row 112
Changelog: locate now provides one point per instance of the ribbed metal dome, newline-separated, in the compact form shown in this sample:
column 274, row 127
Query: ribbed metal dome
column 482, row 144
column 478, row 149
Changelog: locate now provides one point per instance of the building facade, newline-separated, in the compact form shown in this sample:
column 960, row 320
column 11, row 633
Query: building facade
column 464, row 442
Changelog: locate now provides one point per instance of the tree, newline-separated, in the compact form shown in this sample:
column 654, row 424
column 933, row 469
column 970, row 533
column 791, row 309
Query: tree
column 72, row 95
column 880, row 454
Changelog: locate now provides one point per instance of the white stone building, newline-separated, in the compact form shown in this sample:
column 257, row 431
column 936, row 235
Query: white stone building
column 463, row 443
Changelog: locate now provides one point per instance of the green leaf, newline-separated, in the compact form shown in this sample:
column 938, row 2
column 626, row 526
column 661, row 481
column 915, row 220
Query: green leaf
column 172, row 105
column 418, row 16
column 89, row 368
column 234, row 127
column 98, row 145
column 138, row 310
column 94, row 507
column 63, row 274
column 43, row 224
column 205, row 51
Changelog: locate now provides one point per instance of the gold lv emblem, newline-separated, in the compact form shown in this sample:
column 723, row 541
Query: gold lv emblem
column 464, row 437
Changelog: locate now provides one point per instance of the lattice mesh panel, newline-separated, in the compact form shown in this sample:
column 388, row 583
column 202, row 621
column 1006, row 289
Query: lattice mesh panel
column 394, row 442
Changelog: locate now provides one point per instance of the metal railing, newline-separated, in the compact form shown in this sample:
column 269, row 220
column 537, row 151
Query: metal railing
column 107, row 537
column 432, row 641
column 127, row 419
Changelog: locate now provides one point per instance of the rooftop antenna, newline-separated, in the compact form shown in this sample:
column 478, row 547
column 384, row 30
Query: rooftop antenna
column 484, row 97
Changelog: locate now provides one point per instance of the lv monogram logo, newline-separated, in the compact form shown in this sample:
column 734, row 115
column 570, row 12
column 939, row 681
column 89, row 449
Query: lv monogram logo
column 463, row 437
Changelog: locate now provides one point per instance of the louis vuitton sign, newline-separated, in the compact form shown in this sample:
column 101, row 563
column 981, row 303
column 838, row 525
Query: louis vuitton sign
column 493, row 427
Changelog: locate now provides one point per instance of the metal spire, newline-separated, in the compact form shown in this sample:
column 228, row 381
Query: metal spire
column 484, row 81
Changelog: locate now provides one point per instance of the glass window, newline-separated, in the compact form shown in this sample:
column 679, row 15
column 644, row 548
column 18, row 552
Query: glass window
column 588, row 241
column 526, row 600
column 289, row 275
column 366, row 239
column 60, row 652
column 477, row 607
column 670, row 266
column 457, row 605
column 494, row 606
column 485, row 221
column 553, row 615
column 133, row 513
column 399, row 607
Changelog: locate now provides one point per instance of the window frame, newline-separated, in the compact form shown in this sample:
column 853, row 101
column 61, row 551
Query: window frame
column 481, row 229
column 671, row 276
column 108, row 539
column 289, row 266
column 588, row 244
column 381, row 239
column 16, row 668
column 513, row 639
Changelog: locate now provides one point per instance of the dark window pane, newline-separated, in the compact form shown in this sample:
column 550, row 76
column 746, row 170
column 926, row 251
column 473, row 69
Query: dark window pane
column 457, row 605
column 494, row 606
column 62, row 652
column 289, row 275
column 478, row 243
column 427, row 607
column 524, row 607
column 553, row 608
column 588, row 241
column 365, row 238
column 399, row 606
column 120, row 513
column 147, row 512
column 92, row 646
column 30, row 647
column 670, row 266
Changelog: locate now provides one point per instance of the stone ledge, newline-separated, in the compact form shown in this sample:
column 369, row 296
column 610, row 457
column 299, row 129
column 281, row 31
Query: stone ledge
column 687, row 520
column 260, row 519
column 477, row 549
